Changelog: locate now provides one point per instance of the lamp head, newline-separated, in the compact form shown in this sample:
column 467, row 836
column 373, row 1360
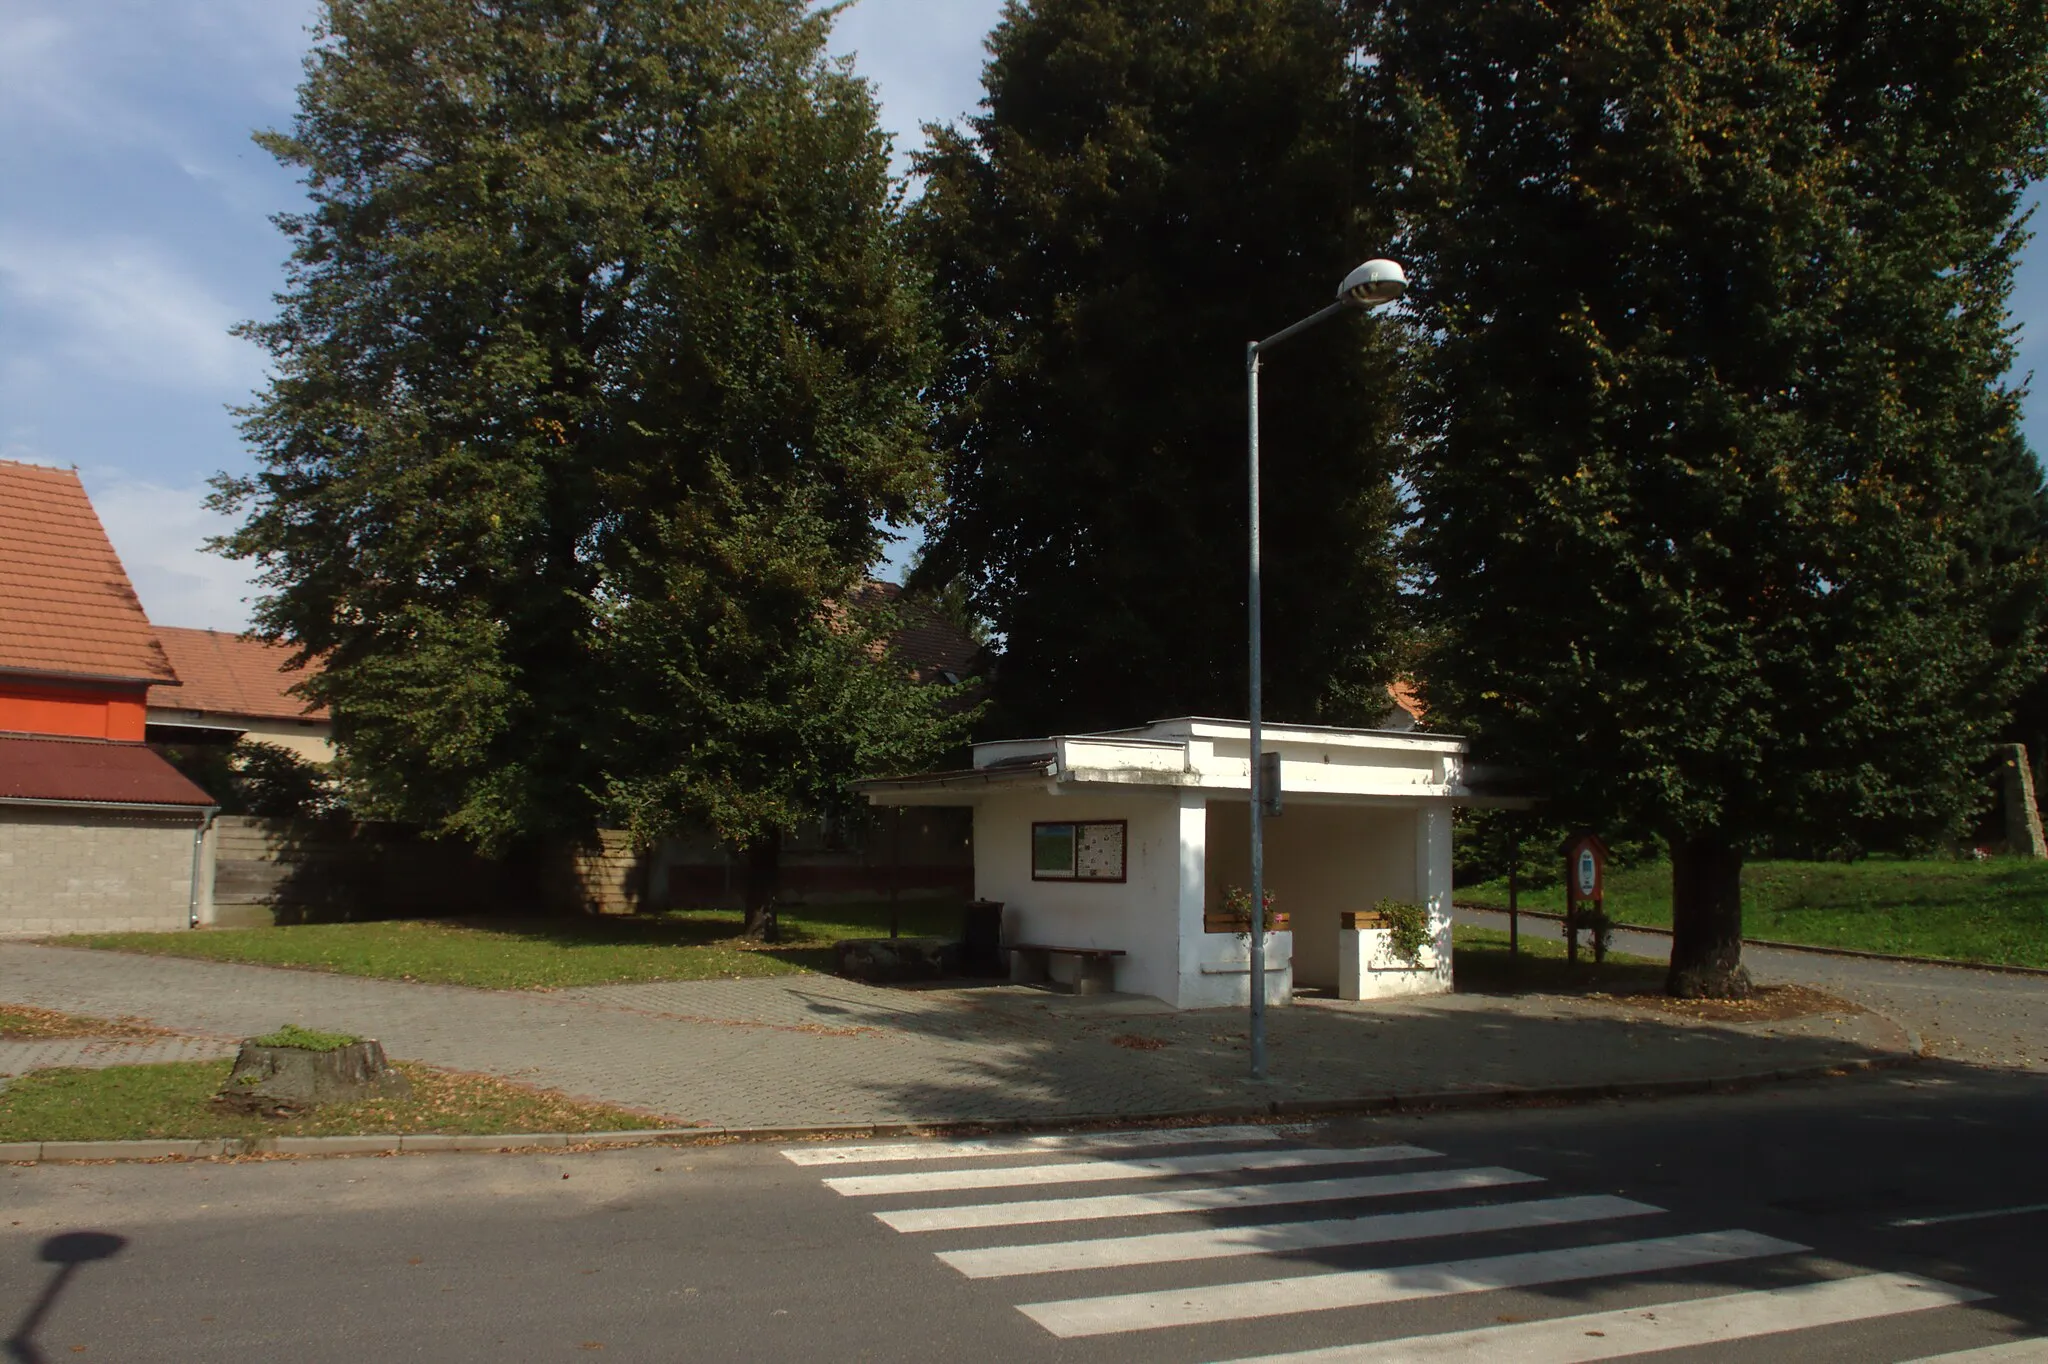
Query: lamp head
column 1374, row 283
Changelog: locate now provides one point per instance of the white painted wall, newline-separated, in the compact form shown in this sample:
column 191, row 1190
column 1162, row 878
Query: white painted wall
column 1142, row 916
column 310, row 739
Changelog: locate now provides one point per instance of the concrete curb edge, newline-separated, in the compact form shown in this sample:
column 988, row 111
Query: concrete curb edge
column 1954, row 965
column 58, row 1152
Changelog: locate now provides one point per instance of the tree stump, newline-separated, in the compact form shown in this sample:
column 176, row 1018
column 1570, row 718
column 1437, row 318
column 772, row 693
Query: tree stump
column 270, row 1079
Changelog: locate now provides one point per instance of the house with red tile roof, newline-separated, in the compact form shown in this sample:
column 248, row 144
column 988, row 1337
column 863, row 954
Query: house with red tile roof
column 230, row 688
column 97, row 832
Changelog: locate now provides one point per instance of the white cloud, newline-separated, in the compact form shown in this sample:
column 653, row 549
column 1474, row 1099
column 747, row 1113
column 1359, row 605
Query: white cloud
column 160, row 535
column 123, row 308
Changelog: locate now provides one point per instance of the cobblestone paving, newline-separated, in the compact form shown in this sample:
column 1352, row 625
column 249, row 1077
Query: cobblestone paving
column 95, row 1053
column 815, row 1049
column 1983, row 1017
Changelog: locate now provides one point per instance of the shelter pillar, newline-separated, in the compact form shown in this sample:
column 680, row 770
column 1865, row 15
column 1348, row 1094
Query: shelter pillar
column 1192, row 898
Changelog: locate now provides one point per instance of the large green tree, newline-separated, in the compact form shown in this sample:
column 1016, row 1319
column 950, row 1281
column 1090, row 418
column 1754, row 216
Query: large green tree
column 1150, row 185
column 600, row 361
column 1723, row 509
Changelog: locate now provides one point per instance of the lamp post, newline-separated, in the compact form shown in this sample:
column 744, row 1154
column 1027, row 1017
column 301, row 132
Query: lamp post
column 1372, row 284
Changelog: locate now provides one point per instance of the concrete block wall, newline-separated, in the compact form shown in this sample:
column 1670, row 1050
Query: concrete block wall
column 79, row 871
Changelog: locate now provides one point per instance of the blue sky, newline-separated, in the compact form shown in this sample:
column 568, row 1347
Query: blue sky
column 134, row 231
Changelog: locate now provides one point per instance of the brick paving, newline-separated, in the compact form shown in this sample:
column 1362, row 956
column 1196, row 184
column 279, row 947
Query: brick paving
column 798, row 1050
column 95, row 1053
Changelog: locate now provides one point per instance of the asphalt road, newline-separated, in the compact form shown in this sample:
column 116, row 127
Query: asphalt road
column 1618, row 1215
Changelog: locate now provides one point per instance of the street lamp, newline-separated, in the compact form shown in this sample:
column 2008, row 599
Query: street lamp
column 1371, row 285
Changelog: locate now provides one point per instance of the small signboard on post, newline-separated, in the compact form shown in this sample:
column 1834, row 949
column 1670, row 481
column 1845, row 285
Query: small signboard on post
column 1585, row 892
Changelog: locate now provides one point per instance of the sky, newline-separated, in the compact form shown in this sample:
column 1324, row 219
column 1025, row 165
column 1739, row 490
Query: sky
column 135, row 232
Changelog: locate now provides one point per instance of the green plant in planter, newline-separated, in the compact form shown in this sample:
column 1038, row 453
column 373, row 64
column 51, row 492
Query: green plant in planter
column 1407, row 929
column 1238, row 900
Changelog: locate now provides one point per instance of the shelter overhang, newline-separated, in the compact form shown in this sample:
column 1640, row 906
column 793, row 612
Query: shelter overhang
column 1319, row 765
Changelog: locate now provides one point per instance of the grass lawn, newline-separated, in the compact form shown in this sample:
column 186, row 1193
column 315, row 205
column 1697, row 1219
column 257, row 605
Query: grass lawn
column 544, row 953
column 125, row 1103
column 1995, row 911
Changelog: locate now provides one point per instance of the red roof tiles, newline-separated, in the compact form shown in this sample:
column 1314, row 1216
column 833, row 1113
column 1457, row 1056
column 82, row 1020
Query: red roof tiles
column 92, row 771
column 228, row 674
column 66, row 606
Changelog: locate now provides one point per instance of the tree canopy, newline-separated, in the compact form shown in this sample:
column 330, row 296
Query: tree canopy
column 1150, row 185
column 1724, row 517
column 599, row 365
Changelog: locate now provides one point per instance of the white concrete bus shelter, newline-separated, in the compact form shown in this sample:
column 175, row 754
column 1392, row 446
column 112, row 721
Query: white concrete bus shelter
column 1128, row 840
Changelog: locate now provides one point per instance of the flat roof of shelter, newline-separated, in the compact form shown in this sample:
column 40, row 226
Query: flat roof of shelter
column 1331, row 762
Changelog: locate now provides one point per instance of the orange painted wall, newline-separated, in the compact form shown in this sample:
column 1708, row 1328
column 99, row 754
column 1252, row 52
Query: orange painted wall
column 81, row 714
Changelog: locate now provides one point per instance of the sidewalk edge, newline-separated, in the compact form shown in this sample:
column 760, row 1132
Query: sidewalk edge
column 59, row 1152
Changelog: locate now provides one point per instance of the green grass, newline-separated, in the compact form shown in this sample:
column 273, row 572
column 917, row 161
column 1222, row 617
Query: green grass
column 1995, row 911
column 305, row 1039
column 175, row 1100
column 1481, row 964
column 545, row 953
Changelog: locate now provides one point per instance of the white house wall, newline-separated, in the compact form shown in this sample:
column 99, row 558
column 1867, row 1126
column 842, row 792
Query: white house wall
column 1141, row 916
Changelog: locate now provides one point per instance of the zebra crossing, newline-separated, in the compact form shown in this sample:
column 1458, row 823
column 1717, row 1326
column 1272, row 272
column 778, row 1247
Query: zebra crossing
column 1226, row 1170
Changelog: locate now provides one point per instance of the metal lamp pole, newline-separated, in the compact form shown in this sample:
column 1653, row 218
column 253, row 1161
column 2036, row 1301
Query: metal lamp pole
column 1372, row 284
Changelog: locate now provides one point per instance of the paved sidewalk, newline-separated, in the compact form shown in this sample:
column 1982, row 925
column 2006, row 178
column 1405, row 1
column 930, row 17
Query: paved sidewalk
column 96, row 1053
column 799, row 1050
column 1991, row 1018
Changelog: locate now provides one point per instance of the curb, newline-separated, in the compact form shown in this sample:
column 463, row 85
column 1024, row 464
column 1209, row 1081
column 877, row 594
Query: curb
column 1777, row 946
column 57, row 1152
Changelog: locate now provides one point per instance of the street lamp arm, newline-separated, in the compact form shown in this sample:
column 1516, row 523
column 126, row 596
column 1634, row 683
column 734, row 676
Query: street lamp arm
column 1341, row 306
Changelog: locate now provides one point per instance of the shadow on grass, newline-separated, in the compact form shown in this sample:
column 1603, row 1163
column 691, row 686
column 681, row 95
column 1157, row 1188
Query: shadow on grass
column 1483, row 965
column 807, row 932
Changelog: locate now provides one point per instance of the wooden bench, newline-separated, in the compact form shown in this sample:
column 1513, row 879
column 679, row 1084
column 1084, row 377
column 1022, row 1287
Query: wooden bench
column 1031, row 964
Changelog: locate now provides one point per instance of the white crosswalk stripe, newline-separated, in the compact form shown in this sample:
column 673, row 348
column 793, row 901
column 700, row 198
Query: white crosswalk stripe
column 1118, row 1312
column 1266, row 1169
column 1024, row 1146
column 1043, row 1210
column 1097, row 1171
column 1277, row 1239
column 1669, row 1326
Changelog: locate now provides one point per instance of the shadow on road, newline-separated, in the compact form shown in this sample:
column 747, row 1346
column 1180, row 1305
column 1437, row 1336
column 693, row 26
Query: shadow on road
column 67, row 1251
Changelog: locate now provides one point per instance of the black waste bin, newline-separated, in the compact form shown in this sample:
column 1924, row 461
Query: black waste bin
column 981, row 939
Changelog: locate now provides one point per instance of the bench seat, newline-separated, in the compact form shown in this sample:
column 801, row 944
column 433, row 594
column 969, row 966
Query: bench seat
column 1031, row 964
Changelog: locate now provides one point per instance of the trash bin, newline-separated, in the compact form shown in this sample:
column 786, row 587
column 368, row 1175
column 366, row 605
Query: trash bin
column 981, row 939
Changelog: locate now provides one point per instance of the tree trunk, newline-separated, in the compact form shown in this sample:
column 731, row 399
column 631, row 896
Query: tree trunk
column 1706, row 921
column 763, row 872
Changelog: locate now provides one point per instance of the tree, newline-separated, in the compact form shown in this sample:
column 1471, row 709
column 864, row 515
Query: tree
column 600, row 362
column 1151, row 185
column 1723, row 508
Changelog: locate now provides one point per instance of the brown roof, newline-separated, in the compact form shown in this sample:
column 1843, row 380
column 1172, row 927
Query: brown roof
column 91, row 770
column 66, row 606
column 1404, row 694
column 925, row 639
column 233, row 675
